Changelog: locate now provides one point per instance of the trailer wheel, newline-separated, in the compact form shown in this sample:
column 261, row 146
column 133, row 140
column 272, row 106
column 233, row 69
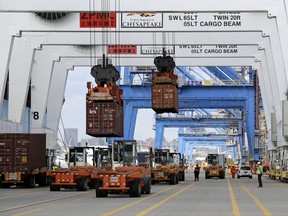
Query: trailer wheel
column 172, row 180
column 100, row 193
column 135, row 189
column 81, row 184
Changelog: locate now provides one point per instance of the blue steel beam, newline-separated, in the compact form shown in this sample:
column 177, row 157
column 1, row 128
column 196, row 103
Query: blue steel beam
column 231, row 111
column 185, row 72
column 189, row 146
column 199, row 73
column 231, row 73
column 206, row 143
column 194, row 97
column 182, row 139
column 219, row 74
column 208, row 135
column 162, row 123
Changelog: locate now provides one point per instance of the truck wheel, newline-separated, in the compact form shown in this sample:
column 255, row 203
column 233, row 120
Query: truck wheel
column 135, row 189
column 172, row 180
column 100, row 193
column 29, row 182
column 81, row 184
column 153, row 182
column 147, row 187
column 206, row 175
column 180, row 176
column 54, row 187
column 183, row 176
column 42, row 180
column 91, row 184
column 222, row 175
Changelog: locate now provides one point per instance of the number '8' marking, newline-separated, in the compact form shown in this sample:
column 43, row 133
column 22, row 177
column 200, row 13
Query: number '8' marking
column 35, row 115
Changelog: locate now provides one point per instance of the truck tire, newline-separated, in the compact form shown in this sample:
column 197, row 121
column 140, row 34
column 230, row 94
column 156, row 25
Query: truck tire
column 91, row 184
column 81, row 184
column 29, row 181
column 41, row 179
column 100, row 193
column 54, row 187
column 172, row 180
column 183, row 176
column 222, row 175
column 135, row 189
column 206, row 175
column 147, row 187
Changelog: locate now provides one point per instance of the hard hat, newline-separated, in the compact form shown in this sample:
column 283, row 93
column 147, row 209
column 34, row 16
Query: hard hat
column 259, row 162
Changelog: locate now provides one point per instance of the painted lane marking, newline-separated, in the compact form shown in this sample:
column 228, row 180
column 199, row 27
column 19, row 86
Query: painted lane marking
column 11, row 195
column 265, row 211
column 51, row 206
column 164, row 200
column 235, row 207
column 138, row 201
column 41, row 202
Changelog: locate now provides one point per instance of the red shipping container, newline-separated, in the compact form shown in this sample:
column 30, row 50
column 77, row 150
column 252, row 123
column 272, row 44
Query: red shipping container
column 22, row 152
column 104, row 119
column 165, row 98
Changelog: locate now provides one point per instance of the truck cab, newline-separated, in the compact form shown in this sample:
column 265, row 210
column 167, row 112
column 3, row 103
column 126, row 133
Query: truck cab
column 164, row 169
column 215, row 166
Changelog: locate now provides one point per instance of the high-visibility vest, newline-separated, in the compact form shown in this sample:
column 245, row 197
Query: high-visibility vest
column 259, row 170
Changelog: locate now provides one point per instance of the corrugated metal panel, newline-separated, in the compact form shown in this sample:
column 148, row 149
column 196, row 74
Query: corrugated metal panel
column 104, row 119
column 22, row 152
column 6, row 152
column 165, row 98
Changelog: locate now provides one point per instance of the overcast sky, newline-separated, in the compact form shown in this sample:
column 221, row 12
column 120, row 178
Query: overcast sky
column 74, row 116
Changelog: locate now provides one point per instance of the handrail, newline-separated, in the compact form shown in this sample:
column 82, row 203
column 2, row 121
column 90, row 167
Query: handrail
column 181, row 83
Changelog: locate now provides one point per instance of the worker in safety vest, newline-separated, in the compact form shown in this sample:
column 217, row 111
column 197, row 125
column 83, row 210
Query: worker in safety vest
column 259, row 172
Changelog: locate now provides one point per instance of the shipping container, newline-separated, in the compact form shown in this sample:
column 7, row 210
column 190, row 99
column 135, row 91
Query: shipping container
column 22, row 152
column 104, row 119
column 165, row 98
column 22, row 156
